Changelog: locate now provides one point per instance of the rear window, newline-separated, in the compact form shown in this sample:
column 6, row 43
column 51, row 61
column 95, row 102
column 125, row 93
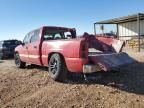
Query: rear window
column 9, row 43
column 57, row 35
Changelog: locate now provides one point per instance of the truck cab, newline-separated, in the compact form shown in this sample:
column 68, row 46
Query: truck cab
column 58, row 48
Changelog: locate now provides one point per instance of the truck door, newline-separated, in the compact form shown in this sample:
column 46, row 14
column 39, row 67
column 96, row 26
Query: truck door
column 24, row 51
column 33, row 48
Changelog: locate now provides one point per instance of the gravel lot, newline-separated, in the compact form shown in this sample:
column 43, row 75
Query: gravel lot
column 33, row 88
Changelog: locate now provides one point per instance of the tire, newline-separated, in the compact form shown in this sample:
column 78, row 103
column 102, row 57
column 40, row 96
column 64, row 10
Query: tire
column 18, row 62
column 57, row 68
column 1, row 58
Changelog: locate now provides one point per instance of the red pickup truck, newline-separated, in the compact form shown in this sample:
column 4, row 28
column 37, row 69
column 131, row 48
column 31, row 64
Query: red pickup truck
column 61, row 51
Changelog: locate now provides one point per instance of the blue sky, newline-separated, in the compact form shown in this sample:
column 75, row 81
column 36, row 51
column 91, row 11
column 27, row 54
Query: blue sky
column 17, row 17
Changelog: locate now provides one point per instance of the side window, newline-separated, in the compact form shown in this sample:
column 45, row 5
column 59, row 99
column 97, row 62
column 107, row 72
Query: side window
column 48, row 37
column 58, row 36
column 26, row 39
column 68, row 35
column 35, row 36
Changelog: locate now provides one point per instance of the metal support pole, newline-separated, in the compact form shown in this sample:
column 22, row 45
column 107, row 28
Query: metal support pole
column 138, row 30
column 94, row 28
column 117, row 31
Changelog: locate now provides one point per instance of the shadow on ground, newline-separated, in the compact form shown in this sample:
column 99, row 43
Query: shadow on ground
column 129, row 79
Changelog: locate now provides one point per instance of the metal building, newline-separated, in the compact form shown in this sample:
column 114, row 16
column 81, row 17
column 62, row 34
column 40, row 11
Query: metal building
column 128, row 28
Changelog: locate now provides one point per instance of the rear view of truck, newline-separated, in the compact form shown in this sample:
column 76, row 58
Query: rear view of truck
column 62, row 52
column 105, row 54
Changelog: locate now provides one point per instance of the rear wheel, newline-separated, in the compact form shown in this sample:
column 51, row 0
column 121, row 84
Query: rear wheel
column 57, row 67
column 18, row 62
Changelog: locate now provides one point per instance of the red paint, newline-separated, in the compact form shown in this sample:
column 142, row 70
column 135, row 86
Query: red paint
column 74, row 51
column 69, row 48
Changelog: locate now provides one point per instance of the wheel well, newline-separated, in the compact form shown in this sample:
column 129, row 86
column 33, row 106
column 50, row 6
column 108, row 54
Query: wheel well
column 49, row 56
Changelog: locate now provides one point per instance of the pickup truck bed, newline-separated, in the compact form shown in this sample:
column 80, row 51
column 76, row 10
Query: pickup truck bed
column 105, row 54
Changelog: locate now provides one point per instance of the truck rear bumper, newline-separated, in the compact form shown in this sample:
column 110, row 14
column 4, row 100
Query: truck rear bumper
column 75, row 64
column 91, row 68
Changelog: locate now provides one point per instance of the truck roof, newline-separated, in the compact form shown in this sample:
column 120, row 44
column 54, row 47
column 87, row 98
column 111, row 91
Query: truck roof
column 9, row 40
column 54, row 28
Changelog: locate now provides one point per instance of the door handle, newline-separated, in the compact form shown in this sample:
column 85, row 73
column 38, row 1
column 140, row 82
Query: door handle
column 35, row 46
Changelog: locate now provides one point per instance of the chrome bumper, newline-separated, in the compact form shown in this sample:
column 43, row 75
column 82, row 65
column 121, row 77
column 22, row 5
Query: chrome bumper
column 91, row 68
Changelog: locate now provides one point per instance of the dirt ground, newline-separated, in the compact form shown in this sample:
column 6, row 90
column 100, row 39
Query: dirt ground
column 33, row 88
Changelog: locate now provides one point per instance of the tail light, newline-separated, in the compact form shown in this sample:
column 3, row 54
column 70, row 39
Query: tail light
column 84, row 50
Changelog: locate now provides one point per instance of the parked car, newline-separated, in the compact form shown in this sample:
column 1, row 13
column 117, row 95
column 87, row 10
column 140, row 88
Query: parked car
column 7, row 48
column 61, row 51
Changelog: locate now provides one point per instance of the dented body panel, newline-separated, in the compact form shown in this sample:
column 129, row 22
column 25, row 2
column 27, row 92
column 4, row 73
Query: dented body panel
column 105, row 54
column 111, row 61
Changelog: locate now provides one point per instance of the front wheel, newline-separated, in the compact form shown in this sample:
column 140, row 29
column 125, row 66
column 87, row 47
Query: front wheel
column 18, row 62
column 57, row 67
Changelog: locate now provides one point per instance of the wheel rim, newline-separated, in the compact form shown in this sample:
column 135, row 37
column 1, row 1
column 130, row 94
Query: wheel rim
column 17, row 60
column 53, row 65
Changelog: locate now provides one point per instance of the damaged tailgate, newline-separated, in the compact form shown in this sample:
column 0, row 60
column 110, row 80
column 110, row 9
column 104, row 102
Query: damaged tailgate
column 110, row 61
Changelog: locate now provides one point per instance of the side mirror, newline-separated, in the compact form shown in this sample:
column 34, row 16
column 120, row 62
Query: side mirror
column 18, row 42
column 22, row 44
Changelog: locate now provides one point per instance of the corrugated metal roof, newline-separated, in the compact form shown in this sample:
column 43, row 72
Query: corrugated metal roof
column 124, row 19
